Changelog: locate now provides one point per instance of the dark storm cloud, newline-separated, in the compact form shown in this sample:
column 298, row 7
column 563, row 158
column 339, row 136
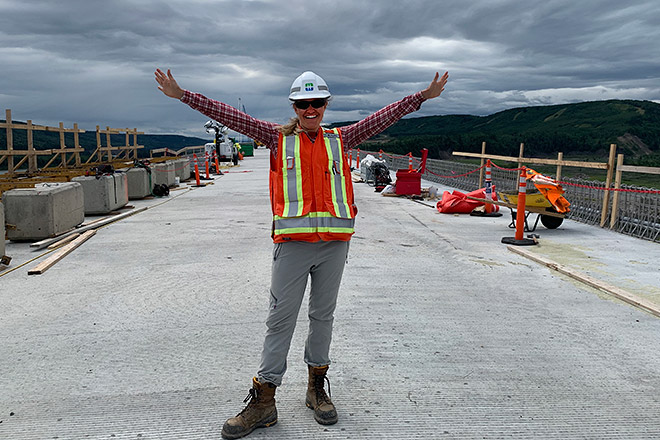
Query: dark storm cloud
column 92, row 62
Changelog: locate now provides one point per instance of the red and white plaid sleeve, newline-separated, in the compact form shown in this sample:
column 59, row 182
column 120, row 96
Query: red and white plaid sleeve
column 262, row 131
column 354, row 134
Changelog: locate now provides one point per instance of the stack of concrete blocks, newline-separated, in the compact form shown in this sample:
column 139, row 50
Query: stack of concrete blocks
column 104, row 194
column 2, row 230
column 182, row 169
column 139, row 182
column 163, row 173
column 47, row 210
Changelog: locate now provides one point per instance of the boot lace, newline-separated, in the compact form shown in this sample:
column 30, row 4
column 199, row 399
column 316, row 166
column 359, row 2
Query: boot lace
column 321, row 396
column 253, row 397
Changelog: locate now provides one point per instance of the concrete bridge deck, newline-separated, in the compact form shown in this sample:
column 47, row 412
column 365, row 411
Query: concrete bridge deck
column 153, row 328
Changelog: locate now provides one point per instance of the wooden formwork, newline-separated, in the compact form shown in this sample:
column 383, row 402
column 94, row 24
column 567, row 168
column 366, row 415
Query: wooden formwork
column 105, row 154
column 69, row 157
column 64, row 162
column 64, row 153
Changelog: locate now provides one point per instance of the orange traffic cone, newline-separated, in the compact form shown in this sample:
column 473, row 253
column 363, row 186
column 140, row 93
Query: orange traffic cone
column 519, row 240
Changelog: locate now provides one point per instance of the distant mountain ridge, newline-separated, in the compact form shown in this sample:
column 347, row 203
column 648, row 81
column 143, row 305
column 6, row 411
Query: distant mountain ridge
column 586, row 128
column 46, row 140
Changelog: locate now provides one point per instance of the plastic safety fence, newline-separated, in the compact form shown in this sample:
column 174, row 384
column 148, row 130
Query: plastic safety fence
column 638, row 209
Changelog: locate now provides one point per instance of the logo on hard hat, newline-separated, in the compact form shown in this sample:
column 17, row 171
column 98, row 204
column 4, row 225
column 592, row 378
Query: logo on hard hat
column 309, row 87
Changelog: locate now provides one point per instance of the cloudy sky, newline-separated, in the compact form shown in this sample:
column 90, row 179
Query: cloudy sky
column 92, row 62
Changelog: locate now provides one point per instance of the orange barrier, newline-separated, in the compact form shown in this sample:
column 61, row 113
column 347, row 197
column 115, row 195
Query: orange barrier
column 457, row 202
column 206, row 165
column 519, row 240
column 196, row 171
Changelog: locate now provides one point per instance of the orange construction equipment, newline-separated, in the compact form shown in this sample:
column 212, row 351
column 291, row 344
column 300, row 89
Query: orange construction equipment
column 551, row 189
column 549, row 202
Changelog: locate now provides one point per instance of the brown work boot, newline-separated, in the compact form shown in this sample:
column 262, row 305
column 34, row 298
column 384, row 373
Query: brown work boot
column 324, row 411
column 260, row 412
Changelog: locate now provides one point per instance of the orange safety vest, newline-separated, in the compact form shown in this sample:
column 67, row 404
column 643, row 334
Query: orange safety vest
column 311, row 190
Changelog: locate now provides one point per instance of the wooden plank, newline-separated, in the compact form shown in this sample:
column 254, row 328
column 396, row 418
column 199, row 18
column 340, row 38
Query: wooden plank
column 568, row 163
column 64, row 241
column 617, row 292
column 43, row 243
column 634, row 169
column 57, row 256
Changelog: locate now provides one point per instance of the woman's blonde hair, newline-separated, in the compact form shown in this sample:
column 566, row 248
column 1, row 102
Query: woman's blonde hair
column 292, row 127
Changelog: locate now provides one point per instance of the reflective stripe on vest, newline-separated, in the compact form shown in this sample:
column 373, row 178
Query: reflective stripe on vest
column 313, row 222
column 336, row 166
column 291, row 173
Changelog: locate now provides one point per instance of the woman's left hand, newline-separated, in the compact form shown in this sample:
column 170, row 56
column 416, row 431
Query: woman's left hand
column 436, row 87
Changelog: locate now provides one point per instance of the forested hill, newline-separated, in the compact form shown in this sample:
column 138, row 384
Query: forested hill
column 586, row 129
column 46, row 140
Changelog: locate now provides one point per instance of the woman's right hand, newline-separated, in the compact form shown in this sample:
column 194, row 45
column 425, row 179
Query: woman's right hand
column 167, row 84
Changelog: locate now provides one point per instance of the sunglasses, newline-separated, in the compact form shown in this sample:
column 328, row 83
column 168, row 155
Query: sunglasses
column 302, row 105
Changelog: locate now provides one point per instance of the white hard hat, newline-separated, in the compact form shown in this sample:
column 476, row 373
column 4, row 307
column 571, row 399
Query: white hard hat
column 309, row 86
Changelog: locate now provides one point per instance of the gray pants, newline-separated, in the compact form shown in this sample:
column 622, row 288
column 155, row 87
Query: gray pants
column 293, row 263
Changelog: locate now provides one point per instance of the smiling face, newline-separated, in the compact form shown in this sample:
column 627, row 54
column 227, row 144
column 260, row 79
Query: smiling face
column 310, row 118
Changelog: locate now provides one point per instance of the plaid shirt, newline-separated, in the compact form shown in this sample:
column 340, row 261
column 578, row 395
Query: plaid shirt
column 268, row 134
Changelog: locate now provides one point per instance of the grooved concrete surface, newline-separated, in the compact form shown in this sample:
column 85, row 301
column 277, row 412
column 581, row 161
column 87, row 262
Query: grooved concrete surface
column 153, row 328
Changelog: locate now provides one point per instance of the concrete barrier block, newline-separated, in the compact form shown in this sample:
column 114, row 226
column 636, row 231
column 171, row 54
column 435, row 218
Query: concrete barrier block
column 104, row 194
column 182, row 169
column 139, row 183
column 47, row 210
column 163, row 173
column 2, row 230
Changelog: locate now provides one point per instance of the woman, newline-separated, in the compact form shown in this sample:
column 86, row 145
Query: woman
column 313, row 217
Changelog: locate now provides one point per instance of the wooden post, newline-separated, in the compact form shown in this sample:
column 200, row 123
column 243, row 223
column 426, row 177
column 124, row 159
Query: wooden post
column 108, row 144
column 135, row 144
column 32, row 162
column 96, row 152
column 10, row 143
column 608, row 184
column 617, row 185
column 62, row 146
column 128, row 145
column 98, row 144
column 481, row 171
column 520, row 155
column 76, row 143
column 560, row 157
